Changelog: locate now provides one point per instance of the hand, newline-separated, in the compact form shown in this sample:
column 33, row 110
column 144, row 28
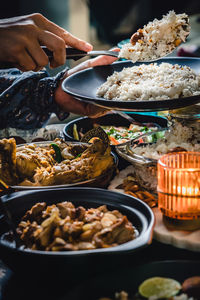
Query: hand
column 69, row 104
column 21, row 37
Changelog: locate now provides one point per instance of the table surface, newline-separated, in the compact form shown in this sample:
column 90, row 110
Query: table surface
column 26, row 287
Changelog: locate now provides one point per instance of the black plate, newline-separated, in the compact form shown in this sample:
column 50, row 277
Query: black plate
column 28, row 260
column 129, row 279
column 83, row 86
column 86, row 123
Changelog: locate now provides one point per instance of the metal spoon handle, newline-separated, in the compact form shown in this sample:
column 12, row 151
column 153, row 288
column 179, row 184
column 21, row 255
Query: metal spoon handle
column 127, row 117
column 72, row 53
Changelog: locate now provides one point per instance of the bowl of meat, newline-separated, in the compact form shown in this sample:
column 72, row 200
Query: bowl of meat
column 70, row 228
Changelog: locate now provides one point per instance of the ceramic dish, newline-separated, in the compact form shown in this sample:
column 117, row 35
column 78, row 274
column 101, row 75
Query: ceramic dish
column 83, row 86
column 68, row 261
column 101, row 181
column 112, row 119
column 129, row 279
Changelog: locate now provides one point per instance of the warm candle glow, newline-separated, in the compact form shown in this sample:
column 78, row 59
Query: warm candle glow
column 179, row 185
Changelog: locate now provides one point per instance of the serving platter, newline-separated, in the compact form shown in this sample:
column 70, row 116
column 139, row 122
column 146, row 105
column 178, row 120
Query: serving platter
column 83, row 86
column 100, row 181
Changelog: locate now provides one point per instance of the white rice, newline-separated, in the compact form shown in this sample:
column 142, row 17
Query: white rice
column 185, row 137
column 157, row 38
column 151, row 82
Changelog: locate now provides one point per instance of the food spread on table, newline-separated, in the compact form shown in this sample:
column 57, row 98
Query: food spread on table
column 53, row 163
column 65, row 227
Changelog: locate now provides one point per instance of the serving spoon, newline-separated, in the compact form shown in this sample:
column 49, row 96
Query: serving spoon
column 127, row 117
column 76, row 54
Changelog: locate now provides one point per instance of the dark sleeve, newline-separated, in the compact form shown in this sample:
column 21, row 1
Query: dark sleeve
column 27, row 99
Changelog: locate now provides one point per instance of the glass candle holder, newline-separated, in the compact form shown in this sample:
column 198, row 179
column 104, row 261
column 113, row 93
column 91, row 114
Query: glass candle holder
column 179, row 185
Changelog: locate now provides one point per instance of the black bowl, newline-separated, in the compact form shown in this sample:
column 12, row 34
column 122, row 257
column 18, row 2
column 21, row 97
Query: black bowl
column 86, row 123
column 129, row 279
column 38, row 261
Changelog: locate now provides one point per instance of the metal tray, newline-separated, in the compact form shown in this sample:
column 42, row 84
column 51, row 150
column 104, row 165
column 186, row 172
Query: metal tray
column 100, row 181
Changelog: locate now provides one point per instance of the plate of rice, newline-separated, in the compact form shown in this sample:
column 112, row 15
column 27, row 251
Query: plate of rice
column 166, row 84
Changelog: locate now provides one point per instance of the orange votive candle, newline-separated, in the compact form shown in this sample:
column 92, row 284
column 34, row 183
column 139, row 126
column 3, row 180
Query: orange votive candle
column 179, row 185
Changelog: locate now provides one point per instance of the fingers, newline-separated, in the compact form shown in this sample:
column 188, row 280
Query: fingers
column 94, row 111
column 56, row 45
column 75, row 42
column 38, row 55
column 97, row 61
column 68, row 38
column 22, row 37
column 69, row 104
column 25, row 62
column 103, row 59
column 85, row 109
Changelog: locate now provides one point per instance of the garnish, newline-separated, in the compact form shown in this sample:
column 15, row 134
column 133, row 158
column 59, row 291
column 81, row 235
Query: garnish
column 159, row 287
column 58, row 157
column 75, row 132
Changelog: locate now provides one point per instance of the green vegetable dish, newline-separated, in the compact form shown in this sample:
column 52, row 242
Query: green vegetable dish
column 118, row 135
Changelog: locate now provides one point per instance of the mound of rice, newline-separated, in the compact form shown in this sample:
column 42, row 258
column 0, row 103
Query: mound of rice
column 151, row 82
column 188, row 138
column 157, row 38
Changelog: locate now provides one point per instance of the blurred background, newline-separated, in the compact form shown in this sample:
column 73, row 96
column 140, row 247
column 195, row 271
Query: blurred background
column 104, row 23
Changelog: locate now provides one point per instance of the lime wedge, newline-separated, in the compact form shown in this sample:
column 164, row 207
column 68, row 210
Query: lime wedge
column 159, row 287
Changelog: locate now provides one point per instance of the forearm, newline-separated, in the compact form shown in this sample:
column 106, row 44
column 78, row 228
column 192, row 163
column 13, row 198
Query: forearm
column 27, row 99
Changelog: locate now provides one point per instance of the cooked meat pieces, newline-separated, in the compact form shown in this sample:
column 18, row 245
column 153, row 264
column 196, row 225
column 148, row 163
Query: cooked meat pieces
column 35, row 165
column 136, row 36
column 176, row 149
column 64, row 227
column 30, row 157
column 35, row 213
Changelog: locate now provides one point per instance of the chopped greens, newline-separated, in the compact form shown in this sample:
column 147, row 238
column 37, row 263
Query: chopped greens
column 58, row 157
column 118, row 135
column 79, row 155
